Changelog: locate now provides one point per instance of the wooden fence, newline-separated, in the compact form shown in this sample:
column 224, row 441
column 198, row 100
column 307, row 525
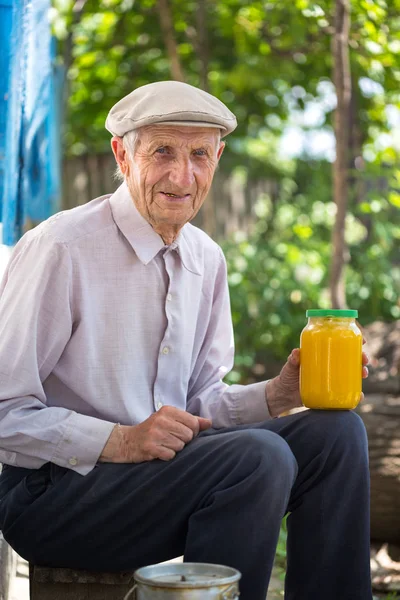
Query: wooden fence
column 228, row 208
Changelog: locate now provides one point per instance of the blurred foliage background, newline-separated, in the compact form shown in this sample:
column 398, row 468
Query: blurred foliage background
column 272, row 63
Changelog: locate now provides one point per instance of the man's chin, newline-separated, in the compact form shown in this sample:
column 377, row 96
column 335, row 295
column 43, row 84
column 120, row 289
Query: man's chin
column 174, row 214
column 168, row 218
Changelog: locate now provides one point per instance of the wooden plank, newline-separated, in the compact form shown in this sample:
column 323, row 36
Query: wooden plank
column 69, row 584
column 59, row 575
column 78, row 591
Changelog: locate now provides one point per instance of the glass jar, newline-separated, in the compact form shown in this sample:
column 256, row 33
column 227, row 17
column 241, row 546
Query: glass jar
column 331, row 360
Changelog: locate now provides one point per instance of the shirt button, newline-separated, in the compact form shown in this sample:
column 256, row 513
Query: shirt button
column 169, row 297
column 159, row 405
column 73, row 461
column 165, row 350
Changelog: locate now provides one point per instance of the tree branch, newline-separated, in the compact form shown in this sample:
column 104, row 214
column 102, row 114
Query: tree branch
column 342, row 81
column 290, row 52
column 167, row 28
column 202, row 42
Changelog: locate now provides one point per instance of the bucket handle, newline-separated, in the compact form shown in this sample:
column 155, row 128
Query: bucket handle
column 128, row 595
column 228, row 595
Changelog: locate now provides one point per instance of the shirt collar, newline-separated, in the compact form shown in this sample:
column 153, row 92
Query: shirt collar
column 141, row 236
column 186, row 250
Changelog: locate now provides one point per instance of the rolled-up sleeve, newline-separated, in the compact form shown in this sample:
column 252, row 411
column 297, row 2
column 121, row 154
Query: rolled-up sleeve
column 208, row 395
column 36, row 321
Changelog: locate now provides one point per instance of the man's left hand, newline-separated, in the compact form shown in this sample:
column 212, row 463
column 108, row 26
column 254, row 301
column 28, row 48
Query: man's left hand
column 283, row 392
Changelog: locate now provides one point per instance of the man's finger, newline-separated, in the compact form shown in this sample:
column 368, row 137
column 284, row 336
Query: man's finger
column 294, row 357
column 165, row 453
column 181, row 416
column 365, row 358
column 204, row 423
column 180, row 431
column 173, row 443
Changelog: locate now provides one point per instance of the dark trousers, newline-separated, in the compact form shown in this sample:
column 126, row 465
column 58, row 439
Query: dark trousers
column 220, row 500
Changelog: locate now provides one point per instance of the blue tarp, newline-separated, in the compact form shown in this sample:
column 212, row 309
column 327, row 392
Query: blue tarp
column 30, row 86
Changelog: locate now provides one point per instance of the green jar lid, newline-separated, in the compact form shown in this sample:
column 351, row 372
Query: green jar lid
column 332, row 312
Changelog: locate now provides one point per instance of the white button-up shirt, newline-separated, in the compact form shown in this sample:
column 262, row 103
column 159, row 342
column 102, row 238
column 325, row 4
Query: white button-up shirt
column 101, row 322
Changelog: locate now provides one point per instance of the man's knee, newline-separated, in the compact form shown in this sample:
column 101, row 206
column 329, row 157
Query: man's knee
column 267, row 452
column 343, row 429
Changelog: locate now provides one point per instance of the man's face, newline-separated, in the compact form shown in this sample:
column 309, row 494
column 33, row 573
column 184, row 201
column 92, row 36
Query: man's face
column 171, row 173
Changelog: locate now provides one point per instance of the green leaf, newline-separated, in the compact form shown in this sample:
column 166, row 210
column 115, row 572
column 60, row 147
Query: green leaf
column 394, row 198
column 303, row 231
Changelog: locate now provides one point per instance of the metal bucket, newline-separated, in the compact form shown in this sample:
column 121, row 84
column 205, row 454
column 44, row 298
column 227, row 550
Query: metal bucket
column 186, row 581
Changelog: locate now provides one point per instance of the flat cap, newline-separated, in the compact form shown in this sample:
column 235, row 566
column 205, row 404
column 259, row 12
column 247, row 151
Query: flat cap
column 169, row 103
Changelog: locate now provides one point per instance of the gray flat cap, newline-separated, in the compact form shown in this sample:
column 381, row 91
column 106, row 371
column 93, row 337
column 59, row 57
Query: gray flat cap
column 169, row 103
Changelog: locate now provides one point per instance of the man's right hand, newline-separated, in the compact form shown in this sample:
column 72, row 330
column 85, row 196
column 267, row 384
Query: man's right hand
column 162, row 435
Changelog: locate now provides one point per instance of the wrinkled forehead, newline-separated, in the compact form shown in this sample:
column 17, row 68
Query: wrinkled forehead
column 179, row 135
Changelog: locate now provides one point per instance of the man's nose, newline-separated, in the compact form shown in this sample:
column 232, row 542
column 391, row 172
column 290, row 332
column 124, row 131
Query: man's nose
column 182, row 174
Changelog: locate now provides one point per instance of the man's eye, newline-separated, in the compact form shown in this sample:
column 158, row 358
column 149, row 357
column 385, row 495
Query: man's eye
column 161, row 150
column 200, row 152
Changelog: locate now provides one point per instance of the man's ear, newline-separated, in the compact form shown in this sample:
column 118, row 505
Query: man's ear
column 120, row 154
column 220, row 150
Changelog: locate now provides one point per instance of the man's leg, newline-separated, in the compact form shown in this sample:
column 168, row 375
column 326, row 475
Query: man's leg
column 328, row 528
column 220, row 500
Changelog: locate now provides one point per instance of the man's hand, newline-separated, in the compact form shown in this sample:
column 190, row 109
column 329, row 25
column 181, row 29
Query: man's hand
column 162, row 435
column 283, row 392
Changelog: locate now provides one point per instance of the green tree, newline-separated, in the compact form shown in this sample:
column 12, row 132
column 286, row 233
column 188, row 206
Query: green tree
column 271, row 63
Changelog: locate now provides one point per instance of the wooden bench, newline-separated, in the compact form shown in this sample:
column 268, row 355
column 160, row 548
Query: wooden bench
column 67, row 584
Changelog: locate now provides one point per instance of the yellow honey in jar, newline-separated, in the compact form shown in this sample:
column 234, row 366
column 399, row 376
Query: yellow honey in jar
column 331, row 360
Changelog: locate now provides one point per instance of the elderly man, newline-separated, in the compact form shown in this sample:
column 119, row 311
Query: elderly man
column 122, row 445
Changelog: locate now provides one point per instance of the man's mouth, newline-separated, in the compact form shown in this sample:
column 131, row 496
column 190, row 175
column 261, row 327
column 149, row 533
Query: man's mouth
column 177, row 196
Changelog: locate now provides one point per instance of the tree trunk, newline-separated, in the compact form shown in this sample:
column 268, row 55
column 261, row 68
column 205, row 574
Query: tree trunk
column 202, row 42
column 198, row 37
column 342, row 81
column 167, row 28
